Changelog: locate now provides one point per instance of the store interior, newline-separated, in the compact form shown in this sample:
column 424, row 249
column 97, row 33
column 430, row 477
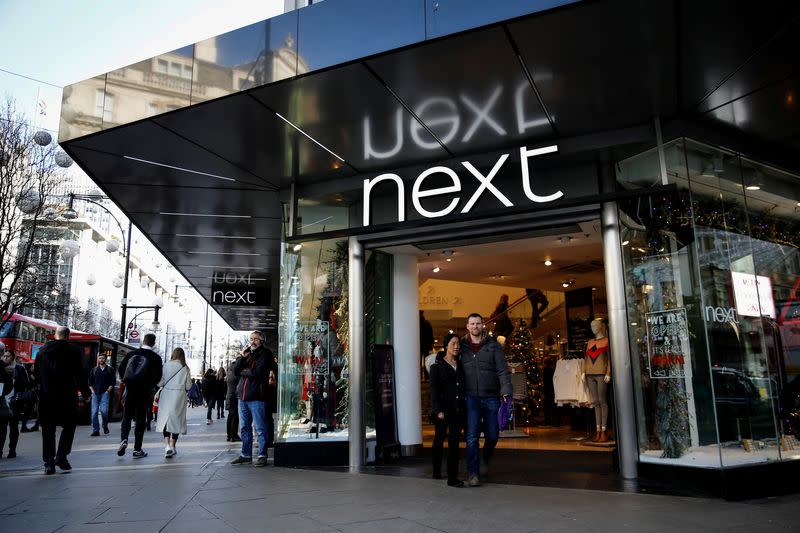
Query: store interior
column 554, row 284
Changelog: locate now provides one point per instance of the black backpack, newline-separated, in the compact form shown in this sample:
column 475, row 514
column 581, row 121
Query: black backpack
column 137, row 373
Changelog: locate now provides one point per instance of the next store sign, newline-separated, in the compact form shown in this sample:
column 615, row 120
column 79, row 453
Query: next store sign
column 430, row 200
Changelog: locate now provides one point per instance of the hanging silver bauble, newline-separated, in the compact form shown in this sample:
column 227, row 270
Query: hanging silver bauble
column 29, row 201
column 172, row 279
column 112, row 246
column 69, row 248
column 144, row 282
column 62, row 159
column 102, row 300
column 91, row 279
column 42, row 138
column 117, row 282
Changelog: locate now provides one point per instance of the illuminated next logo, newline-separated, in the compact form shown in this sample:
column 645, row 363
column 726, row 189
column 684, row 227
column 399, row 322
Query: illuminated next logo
column 485, row 186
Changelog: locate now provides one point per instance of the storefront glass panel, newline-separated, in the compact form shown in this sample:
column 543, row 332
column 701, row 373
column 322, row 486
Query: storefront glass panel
column 712, row 278
column 313, row 348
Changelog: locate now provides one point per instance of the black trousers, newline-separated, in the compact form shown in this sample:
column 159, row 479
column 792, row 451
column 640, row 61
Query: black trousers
column 449, row 428
column 233, row 420
column 210, row 402
column 51, row 455
column 137, row 404
column 10, row 427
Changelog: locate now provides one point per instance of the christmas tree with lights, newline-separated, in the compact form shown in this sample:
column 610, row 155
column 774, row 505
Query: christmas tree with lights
column 520, row 350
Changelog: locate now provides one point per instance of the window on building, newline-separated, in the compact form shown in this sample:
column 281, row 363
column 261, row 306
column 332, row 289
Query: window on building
column 161, row 66
column 175, row 69
column 187, row 72
column 152, row 109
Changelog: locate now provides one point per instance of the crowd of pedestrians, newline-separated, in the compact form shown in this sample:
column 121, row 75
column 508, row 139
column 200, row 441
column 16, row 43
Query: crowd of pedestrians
column 149, row 390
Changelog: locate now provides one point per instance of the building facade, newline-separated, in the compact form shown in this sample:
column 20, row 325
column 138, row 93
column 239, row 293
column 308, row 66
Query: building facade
column 308, row 182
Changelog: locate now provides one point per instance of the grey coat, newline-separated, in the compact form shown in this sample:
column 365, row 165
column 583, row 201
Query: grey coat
column 485, row 371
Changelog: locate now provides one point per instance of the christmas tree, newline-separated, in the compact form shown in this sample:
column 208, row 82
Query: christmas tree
column 520, row 350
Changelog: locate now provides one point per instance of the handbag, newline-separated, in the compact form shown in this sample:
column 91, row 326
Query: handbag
column 5, row 410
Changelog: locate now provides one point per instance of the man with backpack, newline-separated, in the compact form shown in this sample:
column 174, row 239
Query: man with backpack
column 140, row 371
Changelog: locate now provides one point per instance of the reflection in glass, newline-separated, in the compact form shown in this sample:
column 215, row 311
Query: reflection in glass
column 153, row 86
column 313, row 350
column 82, row 108
column 247, row 57
column 318, row 215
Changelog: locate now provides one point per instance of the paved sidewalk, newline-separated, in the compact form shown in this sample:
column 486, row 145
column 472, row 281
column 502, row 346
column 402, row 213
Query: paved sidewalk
column 199, row 491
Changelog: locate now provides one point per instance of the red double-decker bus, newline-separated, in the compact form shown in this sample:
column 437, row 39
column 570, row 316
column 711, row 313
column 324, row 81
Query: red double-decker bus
column 25, row 335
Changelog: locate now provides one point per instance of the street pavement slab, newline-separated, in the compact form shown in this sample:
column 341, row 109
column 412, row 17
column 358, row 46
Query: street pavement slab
column 200, row 491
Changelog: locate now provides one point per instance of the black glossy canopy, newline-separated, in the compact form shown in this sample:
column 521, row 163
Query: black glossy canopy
column 204, row 181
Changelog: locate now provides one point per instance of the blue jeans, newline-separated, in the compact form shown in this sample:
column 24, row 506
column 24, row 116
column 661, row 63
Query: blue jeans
column 481, row 414
column 250, row 412
column 99, row 402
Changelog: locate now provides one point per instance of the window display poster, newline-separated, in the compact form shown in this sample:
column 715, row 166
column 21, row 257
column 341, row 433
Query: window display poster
column 667, row 343
column 753, row 295
column 388, row 446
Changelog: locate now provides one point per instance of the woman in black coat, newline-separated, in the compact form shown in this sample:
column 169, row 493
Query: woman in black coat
column 447, row 407
column 14, row 379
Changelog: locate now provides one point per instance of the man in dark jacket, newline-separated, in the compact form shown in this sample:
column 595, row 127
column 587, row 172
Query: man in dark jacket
column 486, row 377
column 255, row 370
column 60, row 375
column 139, row 382
column 102, row 379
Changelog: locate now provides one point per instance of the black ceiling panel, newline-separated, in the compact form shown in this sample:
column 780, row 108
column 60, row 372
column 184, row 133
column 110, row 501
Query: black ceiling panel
column 718, row 37
column 155, row 146
column 602, row 65
column 354, row 115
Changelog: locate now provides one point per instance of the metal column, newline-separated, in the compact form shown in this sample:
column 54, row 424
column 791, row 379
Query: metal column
column 618, row 333
column 358, row 359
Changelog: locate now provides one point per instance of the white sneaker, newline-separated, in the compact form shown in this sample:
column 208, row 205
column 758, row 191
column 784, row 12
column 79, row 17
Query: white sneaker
column 169, row 453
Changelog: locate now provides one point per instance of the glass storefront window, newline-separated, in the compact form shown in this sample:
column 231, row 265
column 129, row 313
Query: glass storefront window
column 712, row 280
column 313, row 343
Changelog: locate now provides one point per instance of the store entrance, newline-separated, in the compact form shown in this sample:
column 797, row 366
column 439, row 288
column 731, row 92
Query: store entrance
column 539, row 294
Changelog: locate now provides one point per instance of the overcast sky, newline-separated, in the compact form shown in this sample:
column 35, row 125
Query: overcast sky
column 60, row 42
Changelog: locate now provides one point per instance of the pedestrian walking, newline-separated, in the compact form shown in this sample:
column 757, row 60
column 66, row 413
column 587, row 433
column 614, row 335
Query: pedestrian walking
column 232, row 404
column 210, row 392
column 15, row 387
column 60, row 376
column 171, row 396
column 140, row 370
column 102, row 379
column 194, row 394
column 255, row 370
column 447, row 407
column 486, row 377
column 220, row 393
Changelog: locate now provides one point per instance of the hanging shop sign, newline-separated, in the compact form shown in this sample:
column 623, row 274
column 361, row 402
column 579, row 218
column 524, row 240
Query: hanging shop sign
column 439, row 191
column 667, row 343
column 240, row 289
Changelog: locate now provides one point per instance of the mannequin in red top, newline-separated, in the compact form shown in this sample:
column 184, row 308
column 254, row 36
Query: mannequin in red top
column 597, row 374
